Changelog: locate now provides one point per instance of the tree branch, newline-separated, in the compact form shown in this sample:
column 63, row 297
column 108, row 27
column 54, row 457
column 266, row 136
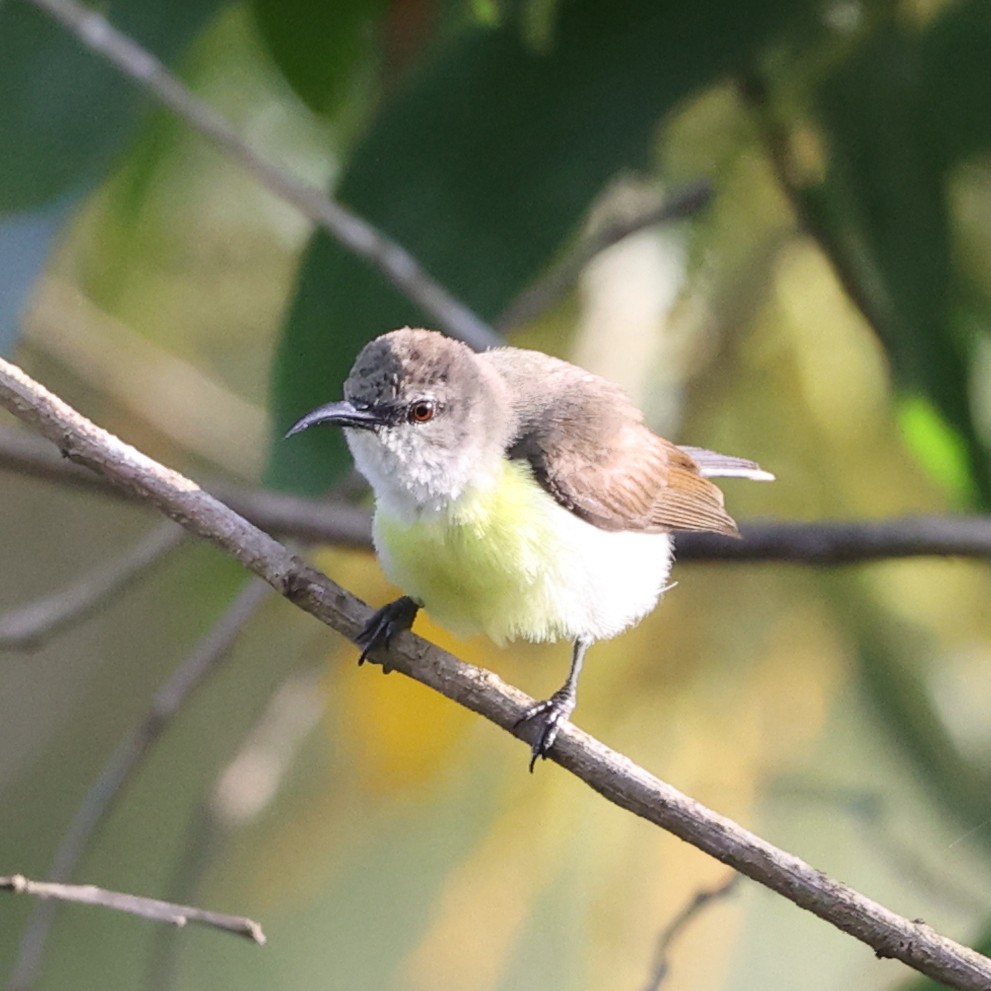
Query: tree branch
column 844, row 542
column 147, row 908
column 204, row 661
column 611, row 774
column 352, row 231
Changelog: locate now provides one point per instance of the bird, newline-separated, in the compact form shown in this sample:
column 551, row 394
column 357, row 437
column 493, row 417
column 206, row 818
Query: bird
column 519, row 496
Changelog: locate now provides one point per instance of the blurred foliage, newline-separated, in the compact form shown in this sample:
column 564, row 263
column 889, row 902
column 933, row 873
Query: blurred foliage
column 901, row 117
column 59, row 138
column 484, row 161
column 829, row 318
column 65, row 113
column 321, row 48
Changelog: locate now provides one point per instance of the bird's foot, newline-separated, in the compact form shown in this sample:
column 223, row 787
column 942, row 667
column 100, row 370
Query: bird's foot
column 385, row 623
column 546, row 718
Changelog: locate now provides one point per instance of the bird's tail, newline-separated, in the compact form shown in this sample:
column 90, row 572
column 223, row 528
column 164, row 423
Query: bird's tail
column 713, row 465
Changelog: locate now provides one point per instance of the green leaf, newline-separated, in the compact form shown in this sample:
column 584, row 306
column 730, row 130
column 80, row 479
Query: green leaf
column 65, row 112
column 483, row 163
column 937, row 446
column 318, row 46
column 955, row 52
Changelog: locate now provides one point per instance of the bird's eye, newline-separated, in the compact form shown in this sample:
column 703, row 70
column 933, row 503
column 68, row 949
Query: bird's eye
column 420, row 412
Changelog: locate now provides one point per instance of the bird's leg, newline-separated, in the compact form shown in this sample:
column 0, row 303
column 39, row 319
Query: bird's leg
column 385, row 623
column 547, row 716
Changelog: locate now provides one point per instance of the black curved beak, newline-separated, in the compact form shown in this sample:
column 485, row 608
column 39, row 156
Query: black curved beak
column 343, row 414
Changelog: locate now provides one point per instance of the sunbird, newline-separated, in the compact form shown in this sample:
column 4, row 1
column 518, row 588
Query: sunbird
column 519, row 496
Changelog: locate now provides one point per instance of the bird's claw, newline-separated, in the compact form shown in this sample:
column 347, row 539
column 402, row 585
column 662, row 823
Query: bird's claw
column 384, row 624
column 546, row 718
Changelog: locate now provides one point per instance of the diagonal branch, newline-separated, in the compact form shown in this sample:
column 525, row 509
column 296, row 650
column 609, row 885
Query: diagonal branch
column 356, row 234
column 611, row 774
column 147, row 908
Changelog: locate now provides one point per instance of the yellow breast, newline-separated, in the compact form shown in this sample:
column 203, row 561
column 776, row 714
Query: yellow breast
column 508, row 561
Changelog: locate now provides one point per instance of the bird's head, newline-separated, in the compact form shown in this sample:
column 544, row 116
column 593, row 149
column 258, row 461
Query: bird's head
column 424, row 419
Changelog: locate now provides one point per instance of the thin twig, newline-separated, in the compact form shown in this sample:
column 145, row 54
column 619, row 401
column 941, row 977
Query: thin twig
column 200, row 842
column 307, row 520
column 676, row 926
column 614, row 776
column 355, row 233
column 844, row 542
column 242, row 790
column 203, row 661
column 27, row 626
column 557, row 282
column 147, row 908
column 322, row 522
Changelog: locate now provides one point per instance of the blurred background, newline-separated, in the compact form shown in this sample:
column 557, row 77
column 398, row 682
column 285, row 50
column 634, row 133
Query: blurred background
column 816, row 297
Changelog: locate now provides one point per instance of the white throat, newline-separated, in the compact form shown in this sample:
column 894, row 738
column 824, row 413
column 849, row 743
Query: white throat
column 412, row 480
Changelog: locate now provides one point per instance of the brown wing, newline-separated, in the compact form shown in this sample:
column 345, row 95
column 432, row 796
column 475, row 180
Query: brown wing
column 588, row 447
